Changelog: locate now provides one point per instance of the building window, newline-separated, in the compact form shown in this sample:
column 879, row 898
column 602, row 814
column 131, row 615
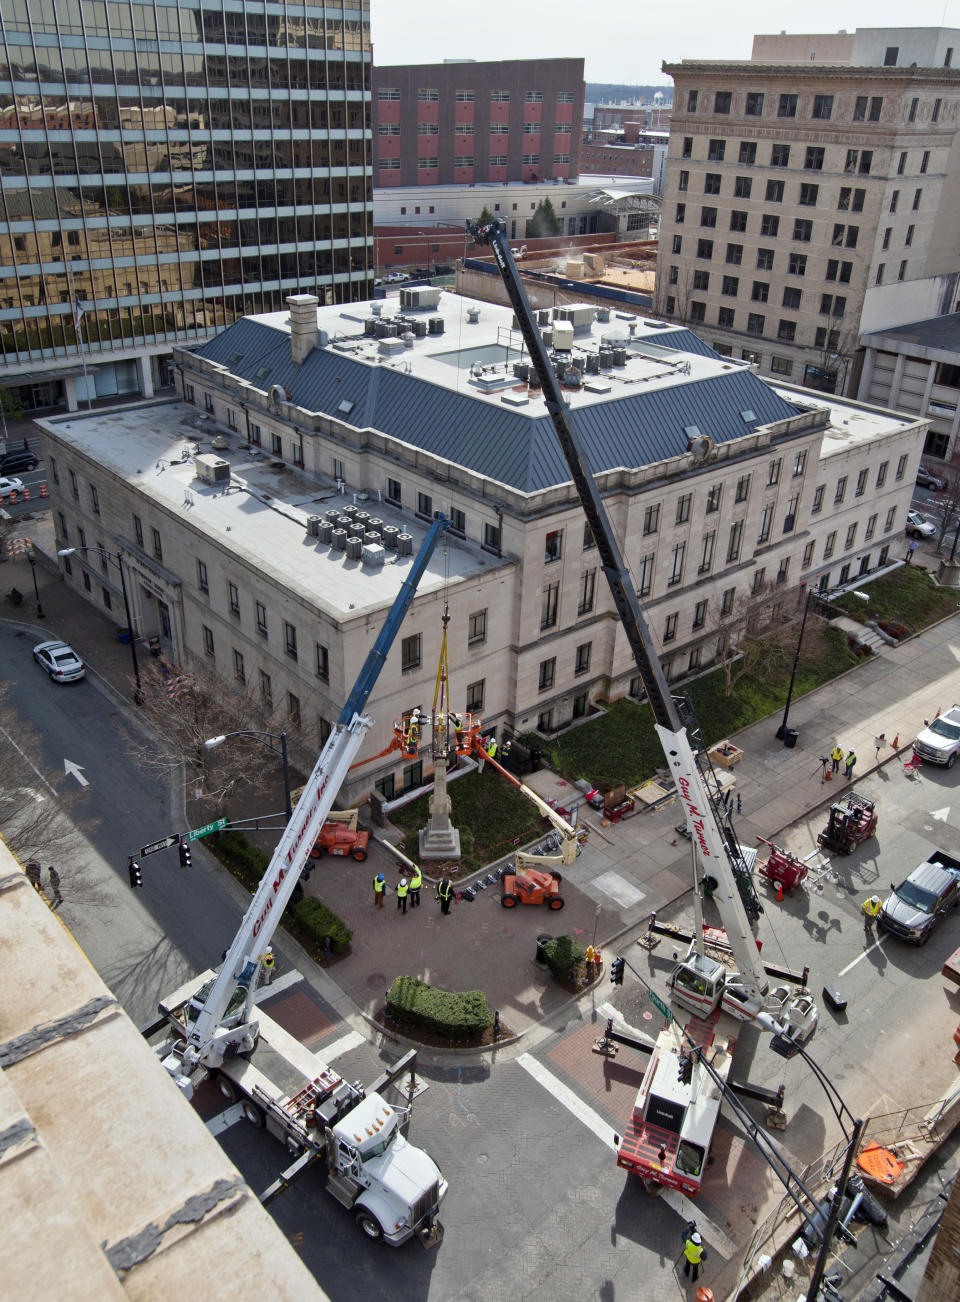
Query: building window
column 716, row 150
column 644, row 573
column 425, row 505
column 582, row 662
column 787, row 331
column 754, row 104
column 202, row 582
column 721, row 101
column 851, row 537
column 769, row 226
column 748, row 152
column 680, row 215
column 725, row 318
column 687, row 147
column 736, row 538
column 554, row 546
column 766, row 523
column 882, row 473
column 239, row 672
column 738, row 220
column 670, row 628
column 902, row 273
column 888, row 522
column 808, row 195
column 743, row 489
column 261, row 611
column 588, row 539
column 491, row 537
column 803, row 230
column 94, row 499
column 797, row 265
column 233, row 598
column 290, row 640
column 787, row 107
column 829, row 545
column 410, row 653
column 394, row 492
column 841, row 491
column 208, row 402
column 727, row 600
column 157, row 544
column 705, row 249
column 477, row 628
column 790, row 519
column 545, row 721
column 548, row 670
column 764, row 262
column 588, row 581
column 711, row 183
column 822, row 106
column 816, row 505
column 293, row 709
column 701, row 280
column 813, row 158
column 458, row 522
column 742, row 185
column 871, row 528
column 475, row 693
column 706, row 553
column 683, row 508
column 549, row 605
column 755, row 323
column 791, row 298
column 924, row 160
column 138, row 530
column 256, row 435
column 807, row 556
column 700, row 614
column 676, row 568
column 208, row 640
column 276, row 445
column 323, row 663
column 651, row 519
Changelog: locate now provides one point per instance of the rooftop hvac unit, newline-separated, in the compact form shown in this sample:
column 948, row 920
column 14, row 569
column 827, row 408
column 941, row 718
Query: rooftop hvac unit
column 374, row 554
column 473, row 315
column 325, row 532
column 376, row 309
column 419, row 329
column 210, row 469
column 361, row 517
column 435, row 325
column 419, row 297
column 390, row 347
column 547, row 336
column 543, row 316
column 313, row 526
column 405, row 544
column 323, row 338
column 593, row 364
column 563, row 335
column 374, row 523
column 521, row 370
column 370, row 325
column 619, row 357
column 580, row 315
column 606, row 358
column 371, row 536
column 409, row 338
column 385, row 329
column 352, row 509
column 354, row 548
column 390, row 535
column 603, row 314
column 338, row 540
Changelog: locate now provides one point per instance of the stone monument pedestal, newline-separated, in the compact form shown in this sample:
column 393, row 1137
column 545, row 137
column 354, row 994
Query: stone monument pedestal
column 438, row 840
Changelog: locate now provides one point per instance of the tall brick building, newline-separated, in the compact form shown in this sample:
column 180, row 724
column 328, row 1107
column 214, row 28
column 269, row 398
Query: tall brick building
column 457, row 123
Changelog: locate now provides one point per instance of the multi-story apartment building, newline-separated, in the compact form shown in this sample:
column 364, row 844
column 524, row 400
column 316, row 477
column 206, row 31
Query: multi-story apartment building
column 916, row 368
column 796, row 191
column 169, row 167
column 722, row 488
column 457, row 123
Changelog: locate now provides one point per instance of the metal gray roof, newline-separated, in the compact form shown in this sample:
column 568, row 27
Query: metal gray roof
column 938, row 332
column 491, row 439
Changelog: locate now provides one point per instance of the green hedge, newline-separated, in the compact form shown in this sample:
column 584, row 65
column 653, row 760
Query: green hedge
column 563, row 956
column 314, row 923
column 460, row 1016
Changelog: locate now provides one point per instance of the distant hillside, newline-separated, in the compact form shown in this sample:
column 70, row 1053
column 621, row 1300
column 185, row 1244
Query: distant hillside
column 610, row 92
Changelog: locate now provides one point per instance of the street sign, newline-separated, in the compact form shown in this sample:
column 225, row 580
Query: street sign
column 162, row 844
column 658, row 1003
column 205, row 830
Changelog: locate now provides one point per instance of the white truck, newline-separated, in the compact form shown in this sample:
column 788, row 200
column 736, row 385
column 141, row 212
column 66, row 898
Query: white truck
column 939, row 742
column 393, row 1188
column 218, row 1029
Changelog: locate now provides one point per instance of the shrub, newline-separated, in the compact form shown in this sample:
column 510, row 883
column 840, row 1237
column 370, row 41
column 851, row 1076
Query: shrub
column 322, row 924
column 563, row 956
column 457, row 1015
column 245, row 861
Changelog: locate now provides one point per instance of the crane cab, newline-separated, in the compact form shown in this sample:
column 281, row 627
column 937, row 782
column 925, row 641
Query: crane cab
column 698, row 983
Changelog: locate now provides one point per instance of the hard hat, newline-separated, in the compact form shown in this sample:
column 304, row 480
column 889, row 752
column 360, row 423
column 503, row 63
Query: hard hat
column 875, row 899
column 379, row 877
column 403, row 881
column 695, row 1237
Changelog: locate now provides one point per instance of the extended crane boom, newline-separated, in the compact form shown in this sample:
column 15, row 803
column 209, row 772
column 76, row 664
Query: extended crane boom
column 711, row 830
column 224, row 1020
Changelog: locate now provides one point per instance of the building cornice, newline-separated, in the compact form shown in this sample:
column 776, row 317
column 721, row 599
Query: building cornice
column 807, row 71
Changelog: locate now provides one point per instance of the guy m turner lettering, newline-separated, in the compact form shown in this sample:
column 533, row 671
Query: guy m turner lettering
column 686, row 795
column 305, row 822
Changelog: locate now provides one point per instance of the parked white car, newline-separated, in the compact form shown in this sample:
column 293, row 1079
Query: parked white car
column 919, row 526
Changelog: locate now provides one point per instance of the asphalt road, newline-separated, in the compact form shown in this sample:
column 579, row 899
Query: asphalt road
column 141, row 942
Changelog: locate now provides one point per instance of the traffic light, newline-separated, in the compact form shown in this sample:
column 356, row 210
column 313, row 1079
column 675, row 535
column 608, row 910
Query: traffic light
column 685, row 1074
column 183, row 850
column 616, row 971
column 133, row 868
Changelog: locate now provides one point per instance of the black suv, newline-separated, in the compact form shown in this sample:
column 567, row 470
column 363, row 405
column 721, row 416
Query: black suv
column 13, row 462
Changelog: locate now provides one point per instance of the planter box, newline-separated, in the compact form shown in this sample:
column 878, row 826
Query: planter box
column 725, row 755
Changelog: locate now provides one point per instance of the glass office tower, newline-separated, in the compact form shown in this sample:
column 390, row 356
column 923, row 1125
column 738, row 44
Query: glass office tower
column 168, row 167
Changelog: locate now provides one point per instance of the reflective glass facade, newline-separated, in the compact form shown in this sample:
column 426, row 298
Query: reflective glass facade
column 175, row 166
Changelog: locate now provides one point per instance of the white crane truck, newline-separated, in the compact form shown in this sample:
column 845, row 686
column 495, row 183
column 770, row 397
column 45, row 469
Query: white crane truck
column 394, row 1188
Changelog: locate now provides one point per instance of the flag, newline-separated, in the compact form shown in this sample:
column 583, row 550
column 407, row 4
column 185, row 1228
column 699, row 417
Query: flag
column 77, row 312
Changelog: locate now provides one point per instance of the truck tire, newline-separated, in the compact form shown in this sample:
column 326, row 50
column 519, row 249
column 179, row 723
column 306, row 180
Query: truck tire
column 556, row 876
column 952, row 760
column 508, row 901
column 316, row 852
column 556, row 902
column 226, row 1087
column 359, row 855
column 252, row 1113
column 370, row 1226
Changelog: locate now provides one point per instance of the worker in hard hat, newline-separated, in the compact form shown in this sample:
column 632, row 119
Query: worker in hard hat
column 379, row 889
column 693, row 1253
column 402, row 890
column 870, row 908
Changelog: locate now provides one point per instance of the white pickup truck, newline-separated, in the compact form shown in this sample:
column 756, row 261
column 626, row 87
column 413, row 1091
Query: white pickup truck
column 939, row 743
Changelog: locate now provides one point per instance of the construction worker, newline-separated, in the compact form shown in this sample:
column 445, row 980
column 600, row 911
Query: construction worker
column 55, row 885
column 851, row 759
column 458, row 731
column 836, row 755
column 693, row 1252
column 492, row 747
column 444, row 894
column 379, row 889
column 416, row 881
column 413, row 733
column 268, row 967
column 402, row 894
column 870, row 908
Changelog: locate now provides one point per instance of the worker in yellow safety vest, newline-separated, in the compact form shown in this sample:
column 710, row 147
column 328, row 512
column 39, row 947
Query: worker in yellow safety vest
column 694, row 1253
column 870, row 908
column 379, row 890
column 444, row 894
column 416, row 881
column 402, row 894
column 836, row 755
column 492, row 747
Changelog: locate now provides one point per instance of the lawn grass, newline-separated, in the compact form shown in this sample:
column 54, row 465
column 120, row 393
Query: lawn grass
column 622, row 747
column 490, row 815
column 906, row 595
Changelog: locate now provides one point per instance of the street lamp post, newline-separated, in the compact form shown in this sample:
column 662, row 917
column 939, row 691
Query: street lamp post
column 782, row 730
column 36, row 591
column 118, row 561
column 268, row 739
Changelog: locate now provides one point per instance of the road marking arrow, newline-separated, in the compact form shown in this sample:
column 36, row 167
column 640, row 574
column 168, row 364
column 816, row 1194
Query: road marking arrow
column 73, row 770
column 940, row 814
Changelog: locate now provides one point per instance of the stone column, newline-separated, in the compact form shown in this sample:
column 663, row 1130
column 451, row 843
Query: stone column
column 438, row 840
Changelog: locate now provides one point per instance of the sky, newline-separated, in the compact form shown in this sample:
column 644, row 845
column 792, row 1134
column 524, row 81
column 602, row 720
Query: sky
column 629, row 40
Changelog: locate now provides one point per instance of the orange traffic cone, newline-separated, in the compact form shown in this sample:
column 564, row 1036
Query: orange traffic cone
column 779, row 891
column 704, row 1294
column 828, row 775
column 896, row 741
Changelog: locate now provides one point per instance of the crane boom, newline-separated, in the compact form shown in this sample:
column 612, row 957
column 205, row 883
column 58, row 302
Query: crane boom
column 213, row 1032
column 710, row 829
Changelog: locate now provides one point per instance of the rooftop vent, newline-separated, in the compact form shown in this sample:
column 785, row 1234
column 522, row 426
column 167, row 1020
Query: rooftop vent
column 473, row 315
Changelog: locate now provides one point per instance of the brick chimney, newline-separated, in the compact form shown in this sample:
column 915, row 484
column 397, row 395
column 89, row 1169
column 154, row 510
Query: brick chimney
column 303, row 325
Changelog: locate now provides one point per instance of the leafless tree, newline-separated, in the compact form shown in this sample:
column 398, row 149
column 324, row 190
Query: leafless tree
column 757, row 637
column 185, row 710
column 834, row 356
column 679, row 291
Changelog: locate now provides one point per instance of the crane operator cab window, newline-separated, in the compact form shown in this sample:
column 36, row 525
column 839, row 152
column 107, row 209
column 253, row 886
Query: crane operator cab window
column 697, row 984
column 689, row 1158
